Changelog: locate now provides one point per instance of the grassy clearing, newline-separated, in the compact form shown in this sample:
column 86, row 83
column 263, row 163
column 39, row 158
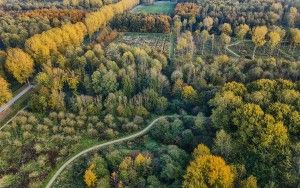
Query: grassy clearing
column 159, row 7
column 157, row 41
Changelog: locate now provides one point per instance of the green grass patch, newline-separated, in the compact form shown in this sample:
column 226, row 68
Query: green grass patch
column 159, row 7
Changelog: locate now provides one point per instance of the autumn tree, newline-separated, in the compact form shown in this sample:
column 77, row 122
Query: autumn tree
column 292, row 15
column 208, row 171
column 177, row 25
column 204, row 36
column 274, row 39
column 189, row 93
column 90, row 177
column 259, row 37
column 226, row 28
column 19, row 64
column 241, row 31
column 208, row 23
column 225, row 39
column 5, row 92
column 295, row 34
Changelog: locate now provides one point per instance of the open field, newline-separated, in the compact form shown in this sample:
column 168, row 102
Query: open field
column 158, row 41
column 159, row 7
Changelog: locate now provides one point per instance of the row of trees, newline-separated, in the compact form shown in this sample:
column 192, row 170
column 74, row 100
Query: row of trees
column 15, row 30
column 248, row 12
column 96, row 20
column 41, row 46
column 141, row 23
column 15, row 5
column 272, row 37
column 73, row 15
column 55, row 40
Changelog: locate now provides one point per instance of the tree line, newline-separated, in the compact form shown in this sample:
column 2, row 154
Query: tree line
column 253, row 13
column 131, row 22
column 42, row 47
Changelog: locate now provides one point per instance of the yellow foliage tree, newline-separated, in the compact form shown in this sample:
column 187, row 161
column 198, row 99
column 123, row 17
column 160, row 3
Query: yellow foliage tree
column 259, row 37
column 208, row 171
column 200, row 150
column 189, row 93
column 19, row 64
column 295, row 36
column 241, row 31
column 274, row 39
column 41, row 46
column 90, row 177
column 226, row 28
column 5, row 93
column 142, row 160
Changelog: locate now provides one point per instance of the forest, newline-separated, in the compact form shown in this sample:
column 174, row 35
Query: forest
column 129, row 93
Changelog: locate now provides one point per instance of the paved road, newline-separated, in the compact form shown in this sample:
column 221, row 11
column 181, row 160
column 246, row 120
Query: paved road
column 102, row 145
column 13, row 100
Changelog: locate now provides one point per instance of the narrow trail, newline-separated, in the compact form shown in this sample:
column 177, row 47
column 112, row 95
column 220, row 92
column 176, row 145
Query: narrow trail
column 10, row 120
column 13, row 100
column 142, row 132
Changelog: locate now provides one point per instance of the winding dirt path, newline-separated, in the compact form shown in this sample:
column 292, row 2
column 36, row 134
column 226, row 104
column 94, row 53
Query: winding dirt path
column 142, row 132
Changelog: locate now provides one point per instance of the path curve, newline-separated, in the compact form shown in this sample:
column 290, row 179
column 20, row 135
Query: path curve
column 105, row 144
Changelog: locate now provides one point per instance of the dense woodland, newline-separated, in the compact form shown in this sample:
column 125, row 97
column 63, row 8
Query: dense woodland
column 238, row 116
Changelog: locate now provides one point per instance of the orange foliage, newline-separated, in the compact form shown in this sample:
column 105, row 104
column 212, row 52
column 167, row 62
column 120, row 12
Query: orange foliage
column 187, row 9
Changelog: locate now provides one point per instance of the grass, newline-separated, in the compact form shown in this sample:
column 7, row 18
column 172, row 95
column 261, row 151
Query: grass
column 159, row 7
column 160, row 41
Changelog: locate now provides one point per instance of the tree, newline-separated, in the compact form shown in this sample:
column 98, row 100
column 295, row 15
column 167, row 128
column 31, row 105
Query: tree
column 90, row 177
column 259, row 37
column 226, row 28
column 208, row 23
column 208, row 171
column 5, row 92
column 292, row 15
column 250, row 182
column 225, row 39
column 19, row 64
column 204, row 35
column 223, row 143
column 189, row 93
column 201, row 150
column 192, row 21
column 241, row 31
column 295, row 36
column 177, row 25
column 104, row 82
column 274, row 39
